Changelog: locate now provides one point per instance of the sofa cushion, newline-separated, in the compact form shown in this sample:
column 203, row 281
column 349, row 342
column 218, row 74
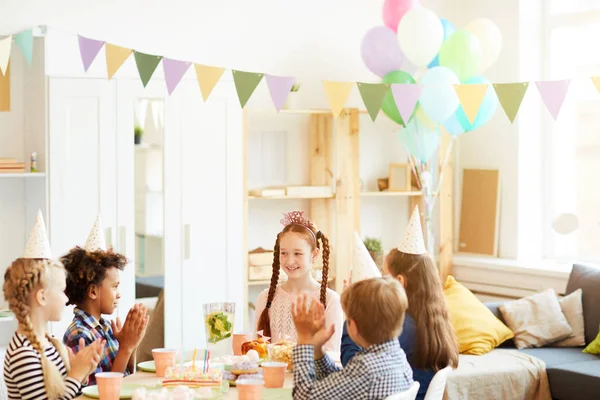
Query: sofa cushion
column 572, row 308
column 578, row 380
column 594, row 347
column 557, row 356
column 587, row 278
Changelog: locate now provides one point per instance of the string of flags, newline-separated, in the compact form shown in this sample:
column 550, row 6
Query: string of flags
column 406, row 96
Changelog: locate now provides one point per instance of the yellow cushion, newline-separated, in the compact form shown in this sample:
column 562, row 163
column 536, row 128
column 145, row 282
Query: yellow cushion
column 477, row 329
column 594, row 347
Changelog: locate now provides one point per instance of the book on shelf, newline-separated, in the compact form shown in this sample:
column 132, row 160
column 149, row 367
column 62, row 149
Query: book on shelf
column 267, row 192
column 9, row 165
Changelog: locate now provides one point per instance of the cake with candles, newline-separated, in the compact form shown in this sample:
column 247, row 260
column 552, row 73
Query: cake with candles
column 192, row 377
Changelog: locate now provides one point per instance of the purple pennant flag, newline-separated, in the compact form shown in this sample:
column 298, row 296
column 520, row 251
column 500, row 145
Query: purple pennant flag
column 280, row 87
column 89, row 49
column 174, row 72
column 406, row 96
column 553, row 94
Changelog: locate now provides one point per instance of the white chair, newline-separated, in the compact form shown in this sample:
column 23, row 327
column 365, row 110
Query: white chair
column 409, row 394
column 438, row 385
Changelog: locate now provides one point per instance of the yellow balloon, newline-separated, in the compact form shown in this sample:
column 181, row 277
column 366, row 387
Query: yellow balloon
column 424, row 118
column 490, row 37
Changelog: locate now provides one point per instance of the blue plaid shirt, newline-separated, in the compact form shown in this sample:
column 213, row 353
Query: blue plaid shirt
column 89, row 328
column 373, row 373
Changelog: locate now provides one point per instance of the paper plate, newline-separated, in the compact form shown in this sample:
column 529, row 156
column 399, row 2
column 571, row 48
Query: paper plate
column 126, row 391
column 147, row 366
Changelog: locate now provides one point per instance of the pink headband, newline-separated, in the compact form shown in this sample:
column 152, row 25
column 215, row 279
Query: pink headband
column 298, row 218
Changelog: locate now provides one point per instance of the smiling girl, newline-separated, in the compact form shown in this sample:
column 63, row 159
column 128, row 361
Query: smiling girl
column 296, row 249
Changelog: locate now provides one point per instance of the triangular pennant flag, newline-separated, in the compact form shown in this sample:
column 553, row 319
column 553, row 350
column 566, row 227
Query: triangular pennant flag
column 38, row 245
column 279, row 87
column 245, row 84
column 363, row 266
column 406, row 96
column 146, row 64
column 373, row 95
column 337, row 94
column 174, row 71
column 553, row 94
column 471, row 96
column 89, row 49
column 207, row 78
column 5, row 90
column 413, row 242
column 5, row 48
column 25, row 42
column 115, row 57
column 596, row 82
column 95, row 240
column 510, row 96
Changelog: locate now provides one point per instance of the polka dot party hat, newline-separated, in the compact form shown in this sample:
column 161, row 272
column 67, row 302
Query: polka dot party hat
column 413, row 242
column 38, row 245
column 363, row 266
column 96, row 239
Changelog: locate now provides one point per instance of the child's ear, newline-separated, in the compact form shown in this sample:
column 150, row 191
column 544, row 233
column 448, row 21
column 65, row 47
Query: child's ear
column 93, row 292
column 40, row 297
column 315, row 254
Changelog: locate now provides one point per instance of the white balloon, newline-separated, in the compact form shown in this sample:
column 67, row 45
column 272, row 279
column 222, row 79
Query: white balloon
column 565, row 224
column 490, row 37
column 420, row 35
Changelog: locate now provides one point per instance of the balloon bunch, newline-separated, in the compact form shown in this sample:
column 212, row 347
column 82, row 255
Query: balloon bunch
column 446, row 57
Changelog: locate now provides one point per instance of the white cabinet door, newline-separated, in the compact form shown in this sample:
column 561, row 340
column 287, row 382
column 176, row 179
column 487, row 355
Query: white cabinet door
column 82, row 165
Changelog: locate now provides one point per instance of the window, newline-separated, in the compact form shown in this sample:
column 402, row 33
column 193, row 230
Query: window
column 572, row 161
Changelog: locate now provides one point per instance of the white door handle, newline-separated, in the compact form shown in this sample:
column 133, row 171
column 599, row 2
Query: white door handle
column 187, row 233
column 122, row 240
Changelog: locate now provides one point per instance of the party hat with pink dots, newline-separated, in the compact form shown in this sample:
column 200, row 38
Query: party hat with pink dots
column 38, row 245
column 413, row 242
column 96, row 240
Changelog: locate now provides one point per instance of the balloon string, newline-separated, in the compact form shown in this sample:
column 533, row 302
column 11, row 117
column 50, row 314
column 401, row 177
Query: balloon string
column 443, row 167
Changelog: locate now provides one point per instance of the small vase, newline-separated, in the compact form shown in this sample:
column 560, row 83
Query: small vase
column 291, row 103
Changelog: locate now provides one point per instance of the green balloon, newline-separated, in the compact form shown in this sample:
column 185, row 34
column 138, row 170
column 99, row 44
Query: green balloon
column 389, row 105
column 462, row 53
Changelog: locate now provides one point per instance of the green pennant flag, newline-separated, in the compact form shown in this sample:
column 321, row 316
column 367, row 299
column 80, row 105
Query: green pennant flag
column 146, row 65
column 510, row 96
column 245, row 84
column 25, row 42
column 373, row 95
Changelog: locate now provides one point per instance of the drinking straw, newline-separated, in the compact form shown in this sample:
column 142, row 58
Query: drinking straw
column 205, row 356
column 194, row 360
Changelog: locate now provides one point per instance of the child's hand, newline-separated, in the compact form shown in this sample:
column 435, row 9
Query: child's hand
column 86, row 360
column 131, row 333
column 347, row 282
column 310, row 323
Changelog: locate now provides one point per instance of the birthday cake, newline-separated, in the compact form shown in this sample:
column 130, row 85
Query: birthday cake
column 192, row 377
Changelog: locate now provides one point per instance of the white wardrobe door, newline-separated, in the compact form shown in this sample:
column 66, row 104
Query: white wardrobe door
column 82, row 164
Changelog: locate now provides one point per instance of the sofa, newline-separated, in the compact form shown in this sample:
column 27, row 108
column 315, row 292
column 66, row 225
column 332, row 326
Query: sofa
column 572, row 374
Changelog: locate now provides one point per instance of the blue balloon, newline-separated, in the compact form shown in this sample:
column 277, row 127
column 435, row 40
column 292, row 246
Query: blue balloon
column 420, row 140
column 486, row 110
column 448, row 30
column 452, row 124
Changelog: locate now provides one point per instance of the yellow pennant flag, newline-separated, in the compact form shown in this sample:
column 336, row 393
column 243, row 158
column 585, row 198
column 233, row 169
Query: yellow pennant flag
column 207, row 78
column 596, row 81
column 5, row 89
column 5, row 47
column 115, row 57
column 337, row 94
column 471, row 96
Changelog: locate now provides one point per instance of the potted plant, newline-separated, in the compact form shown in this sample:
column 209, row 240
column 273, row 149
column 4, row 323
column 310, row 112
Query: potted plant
column 292, row 99
column 137, row 134
column 375, row 249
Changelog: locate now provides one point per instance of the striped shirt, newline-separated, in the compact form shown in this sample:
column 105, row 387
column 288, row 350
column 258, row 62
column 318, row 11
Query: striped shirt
column 23, row 371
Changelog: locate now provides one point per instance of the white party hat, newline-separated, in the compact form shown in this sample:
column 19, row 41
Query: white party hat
column 96, row 239
column 363, row 266
column 38, row 245
column 413, row 242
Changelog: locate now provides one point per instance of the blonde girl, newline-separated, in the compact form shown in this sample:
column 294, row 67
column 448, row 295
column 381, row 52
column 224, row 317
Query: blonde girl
column 296, row 249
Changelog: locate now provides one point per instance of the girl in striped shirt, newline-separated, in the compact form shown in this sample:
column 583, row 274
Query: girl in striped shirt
column 36, row 365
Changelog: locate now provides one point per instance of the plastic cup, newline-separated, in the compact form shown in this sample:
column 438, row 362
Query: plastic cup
column 274, row 374
column 238, row 340
column 163, row 359
column 109, row 385
column 249, row 389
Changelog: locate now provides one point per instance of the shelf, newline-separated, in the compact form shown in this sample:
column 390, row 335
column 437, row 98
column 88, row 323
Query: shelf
column 299, row 111
column 22, row 175
column 285, row 197
column 391, row 194
column 267, row 282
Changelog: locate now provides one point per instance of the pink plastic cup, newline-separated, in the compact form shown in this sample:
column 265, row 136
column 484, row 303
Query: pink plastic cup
column 163, row 359
column 274, row 374
column 109, row 385
column 249, row 389
column 238, row 340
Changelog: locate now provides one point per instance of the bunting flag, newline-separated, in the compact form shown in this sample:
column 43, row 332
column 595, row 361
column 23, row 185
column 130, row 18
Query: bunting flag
column 115, row 57
column 5, row 90
column 207, row 78
column 406, row 96
column 553, row 94
column 372, row 95
column 337, row 94
column 89, row 49
column 471, row 96
column 596, row 82
column 146, row 64
column 279, row 87
column 174, row 71
column 5, row 48
column 25, row 42
column 245, row 84
column 510, row 96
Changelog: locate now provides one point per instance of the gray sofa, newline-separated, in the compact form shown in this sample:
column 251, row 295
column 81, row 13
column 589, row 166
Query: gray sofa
column 573, row 375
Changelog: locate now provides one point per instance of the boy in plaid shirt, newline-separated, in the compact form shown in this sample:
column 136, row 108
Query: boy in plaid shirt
column 375, row 312
column 93, row 287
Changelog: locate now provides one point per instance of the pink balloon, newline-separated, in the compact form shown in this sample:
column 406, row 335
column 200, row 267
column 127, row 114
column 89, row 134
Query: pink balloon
column 394, row 10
